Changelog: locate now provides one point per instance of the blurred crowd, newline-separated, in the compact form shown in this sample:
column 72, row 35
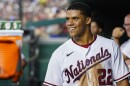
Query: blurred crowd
column 35, row 10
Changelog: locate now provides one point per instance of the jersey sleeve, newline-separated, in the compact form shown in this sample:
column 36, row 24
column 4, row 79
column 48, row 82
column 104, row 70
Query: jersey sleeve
column 120, row 70
column 53, row 74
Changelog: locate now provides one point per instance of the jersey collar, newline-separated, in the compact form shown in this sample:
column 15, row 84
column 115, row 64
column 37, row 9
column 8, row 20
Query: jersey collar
column 87, row 45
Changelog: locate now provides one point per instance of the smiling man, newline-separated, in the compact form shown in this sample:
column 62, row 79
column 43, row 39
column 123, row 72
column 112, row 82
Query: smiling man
column 85, row 59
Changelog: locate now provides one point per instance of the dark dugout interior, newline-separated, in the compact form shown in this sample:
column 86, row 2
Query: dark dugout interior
column 110, row 12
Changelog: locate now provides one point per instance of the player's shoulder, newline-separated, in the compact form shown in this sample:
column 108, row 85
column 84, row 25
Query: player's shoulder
column 126, row 43
column 63, row 47
column 106, row 41
column 103, row 39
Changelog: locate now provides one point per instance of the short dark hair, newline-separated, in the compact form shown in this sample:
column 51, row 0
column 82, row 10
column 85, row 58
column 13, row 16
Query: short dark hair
column 83, row 7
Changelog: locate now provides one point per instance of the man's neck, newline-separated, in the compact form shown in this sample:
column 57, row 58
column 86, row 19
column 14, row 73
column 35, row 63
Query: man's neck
column 84, row 40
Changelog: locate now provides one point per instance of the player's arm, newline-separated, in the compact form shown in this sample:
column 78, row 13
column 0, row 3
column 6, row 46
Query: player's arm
column 124, row 82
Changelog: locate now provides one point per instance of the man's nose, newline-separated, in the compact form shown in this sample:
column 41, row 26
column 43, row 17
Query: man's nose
column 70, row 22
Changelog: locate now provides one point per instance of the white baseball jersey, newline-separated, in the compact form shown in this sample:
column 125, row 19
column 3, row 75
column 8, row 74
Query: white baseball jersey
column 125, row 48
column 99, row 63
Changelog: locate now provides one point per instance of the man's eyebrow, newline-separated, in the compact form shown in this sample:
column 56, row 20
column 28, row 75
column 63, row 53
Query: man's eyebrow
column 75, row 17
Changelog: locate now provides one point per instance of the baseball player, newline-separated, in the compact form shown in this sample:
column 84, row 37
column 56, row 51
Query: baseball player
column 85, row 59
column 117, row 33
column 125, row 47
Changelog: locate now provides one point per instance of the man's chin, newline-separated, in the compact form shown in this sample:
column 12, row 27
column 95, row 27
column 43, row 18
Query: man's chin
column 72, row 35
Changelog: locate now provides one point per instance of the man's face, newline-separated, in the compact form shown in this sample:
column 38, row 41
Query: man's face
column 127, row 25
column 76, row 23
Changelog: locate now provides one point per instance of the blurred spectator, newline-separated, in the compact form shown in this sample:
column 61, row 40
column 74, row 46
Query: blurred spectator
column 97, row 26
column 116, row 35
column 9, row 9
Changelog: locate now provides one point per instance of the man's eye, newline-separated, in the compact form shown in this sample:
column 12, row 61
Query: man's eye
column 75, row 19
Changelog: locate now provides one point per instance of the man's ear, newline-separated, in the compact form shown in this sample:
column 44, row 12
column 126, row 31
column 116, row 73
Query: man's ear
column 88, row 20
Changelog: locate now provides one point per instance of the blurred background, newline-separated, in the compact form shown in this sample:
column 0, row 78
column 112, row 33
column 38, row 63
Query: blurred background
column 43, row 22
